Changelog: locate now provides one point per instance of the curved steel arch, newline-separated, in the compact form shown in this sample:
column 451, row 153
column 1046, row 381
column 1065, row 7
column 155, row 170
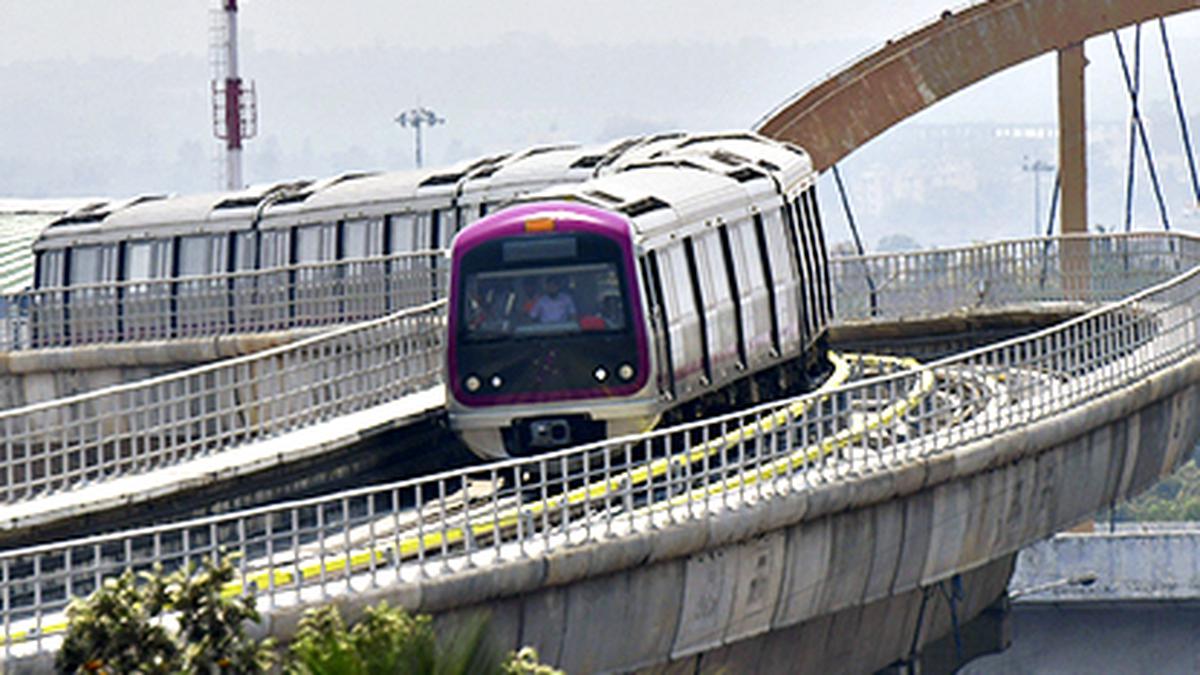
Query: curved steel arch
column 908, row 74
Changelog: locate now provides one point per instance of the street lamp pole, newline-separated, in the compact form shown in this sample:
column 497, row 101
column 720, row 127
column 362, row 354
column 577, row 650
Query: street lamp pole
column 417, row 118
column 1036, row 168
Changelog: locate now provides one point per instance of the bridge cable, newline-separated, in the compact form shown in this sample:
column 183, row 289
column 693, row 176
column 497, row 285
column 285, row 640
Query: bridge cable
column 837, row 178
column 1054, row 194
column 1162, row 207
column 1183, row 128
column 1130, row 169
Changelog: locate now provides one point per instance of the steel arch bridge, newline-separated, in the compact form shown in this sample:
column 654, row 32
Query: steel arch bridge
column 908, row 74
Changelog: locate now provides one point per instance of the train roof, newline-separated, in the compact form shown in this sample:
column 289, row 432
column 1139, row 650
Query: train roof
column 692, row 179
column 513, row 220
column 698, row 158
column 535, row 166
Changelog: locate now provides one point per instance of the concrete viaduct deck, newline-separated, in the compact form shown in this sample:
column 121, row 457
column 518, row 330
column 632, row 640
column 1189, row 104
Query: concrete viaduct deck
column 805, row 525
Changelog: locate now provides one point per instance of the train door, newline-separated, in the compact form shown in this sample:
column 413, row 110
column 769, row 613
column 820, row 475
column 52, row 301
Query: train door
column 92, row 303
column 146, row 294
column 724, row 348
column 804, row 266
column 682, row 325
column 363, row 272
column 201, row 294
column 406, row 233
column 754, row 295
column 48, row 305
column 315, row 281
column 783, row 275
column 246, row 311
column 274, row 277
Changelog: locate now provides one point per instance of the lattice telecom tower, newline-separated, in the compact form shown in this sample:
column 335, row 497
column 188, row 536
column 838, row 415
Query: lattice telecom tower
column 234, row 104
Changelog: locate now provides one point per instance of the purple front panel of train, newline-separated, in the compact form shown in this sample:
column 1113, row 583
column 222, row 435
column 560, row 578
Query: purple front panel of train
column 568, row 217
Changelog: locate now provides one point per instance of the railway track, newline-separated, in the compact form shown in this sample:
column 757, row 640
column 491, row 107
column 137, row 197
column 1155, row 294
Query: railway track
column 729, row 460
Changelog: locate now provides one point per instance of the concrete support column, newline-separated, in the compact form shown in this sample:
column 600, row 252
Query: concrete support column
column 1072, row 162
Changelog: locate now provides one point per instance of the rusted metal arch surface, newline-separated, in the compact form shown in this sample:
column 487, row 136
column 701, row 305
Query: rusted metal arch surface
column 908, row 74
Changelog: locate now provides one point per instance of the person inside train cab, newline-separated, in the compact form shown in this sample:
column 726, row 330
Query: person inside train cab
column 555, row 306
column 530, row 294
column 611, row 311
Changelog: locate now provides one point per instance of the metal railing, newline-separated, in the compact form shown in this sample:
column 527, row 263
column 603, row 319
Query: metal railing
column 150, row 424
column 307, row 551
column 281, row 298
column 1006, row 273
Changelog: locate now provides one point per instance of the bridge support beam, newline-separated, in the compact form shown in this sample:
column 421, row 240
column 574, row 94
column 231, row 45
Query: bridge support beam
column 1072, row 138
column 1072, row 163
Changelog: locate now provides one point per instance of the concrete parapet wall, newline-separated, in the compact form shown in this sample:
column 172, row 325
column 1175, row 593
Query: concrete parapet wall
column 824, row 554
column 1159, row 565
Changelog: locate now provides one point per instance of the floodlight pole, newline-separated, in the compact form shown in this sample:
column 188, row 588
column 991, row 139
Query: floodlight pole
column 417, row 118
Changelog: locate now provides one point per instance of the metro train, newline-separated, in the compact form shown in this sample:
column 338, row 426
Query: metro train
column 689, row 281
column 346, row 217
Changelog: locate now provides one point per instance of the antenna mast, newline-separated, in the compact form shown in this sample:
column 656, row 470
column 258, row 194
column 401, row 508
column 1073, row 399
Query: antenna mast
column 234, row 105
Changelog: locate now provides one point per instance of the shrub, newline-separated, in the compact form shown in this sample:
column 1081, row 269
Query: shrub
column 389, row 640
column 127, row 626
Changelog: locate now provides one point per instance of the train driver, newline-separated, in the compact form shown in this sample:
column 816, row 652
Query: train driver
column 555, row 306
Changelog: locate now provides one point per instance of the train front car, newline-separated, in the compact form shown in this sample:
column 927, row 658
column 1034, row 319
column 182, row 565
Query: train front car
column 548, row 341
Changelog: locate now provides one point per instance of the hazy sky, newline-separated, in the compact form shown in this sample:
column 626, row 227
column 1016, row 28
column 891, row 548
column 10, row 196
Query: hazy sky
column 111, row 97
column 146, row 29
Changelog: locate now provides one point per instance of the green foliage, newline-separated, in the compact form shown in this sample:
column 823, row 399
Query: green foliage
column 389, row 640
column 185, row 622
column 386, row 641
column 525, row 662
column 118, row 630
column 125, row 626
column 1174, row 498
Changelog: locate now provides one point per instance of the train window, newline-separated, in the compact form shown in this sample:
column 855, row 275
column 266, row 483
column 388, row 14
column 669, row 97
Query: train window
column 580, row 292
column 275, row 248
column 362, row 238
column 316, row 243
column 93, row 264
column 147, row 260
column 50, row 269
column 402, row 233
column 202, row 255
column 245, row 251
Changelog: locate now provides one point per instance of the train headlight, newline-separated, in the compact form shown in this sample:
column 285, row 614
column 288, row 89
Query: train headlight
column 625, row 371
column 497, row 382
column 600, row 374
column 473, row 384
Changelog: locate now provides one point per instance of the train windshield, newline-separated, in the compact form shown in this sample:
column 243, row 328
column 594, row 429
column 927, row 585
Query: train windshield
column 540, row 287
